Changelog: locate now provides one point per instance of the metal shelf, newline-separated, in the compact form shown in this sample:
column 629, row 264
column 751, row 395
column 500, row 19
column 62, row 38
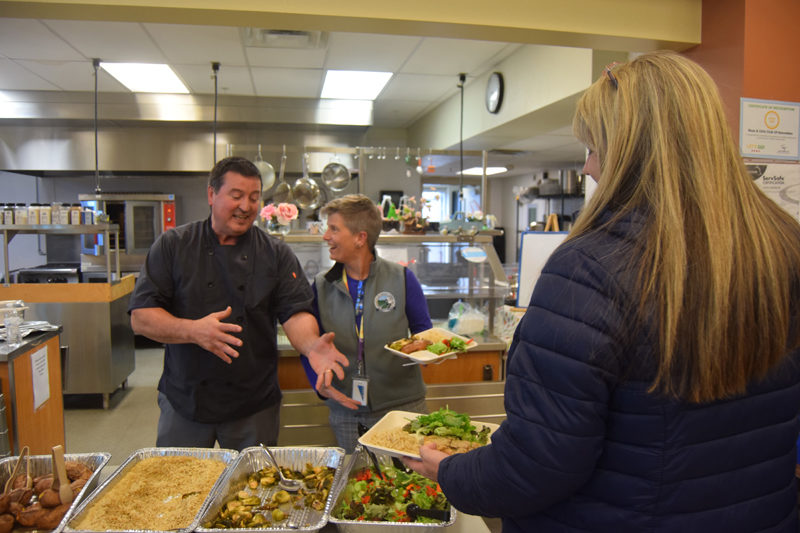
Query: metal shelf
column 12, row 230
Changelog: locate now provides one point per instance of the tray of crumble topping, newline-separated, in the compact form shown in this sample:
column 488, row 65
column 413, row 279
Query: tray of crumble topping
column 155, row 489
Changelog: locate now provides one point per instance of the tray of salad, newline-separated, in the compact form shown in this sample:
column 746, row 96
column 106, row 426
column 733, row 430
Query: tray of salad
column 394, row 498
column 431, row 346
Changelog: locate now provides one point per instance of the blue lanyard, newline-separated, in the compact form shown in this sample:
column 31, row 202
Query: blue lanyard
column 359, row 312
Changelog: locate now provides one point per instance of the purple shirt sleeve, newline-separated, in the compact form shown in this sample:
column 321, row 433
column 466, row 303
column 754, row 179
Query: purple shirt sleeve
column 416, row 305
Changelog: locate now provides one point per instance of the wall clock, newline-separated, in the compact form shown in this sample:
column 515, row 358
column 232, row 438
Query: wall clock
column 494, row 92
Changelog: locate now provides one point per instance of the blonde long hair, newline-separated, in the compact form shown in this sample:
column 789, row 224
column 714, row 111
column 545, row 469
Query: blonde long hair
column 718, row 260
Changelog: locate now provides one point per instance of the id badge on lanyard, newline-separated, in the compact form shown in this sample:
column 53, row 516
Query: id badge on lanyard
column 360, row 382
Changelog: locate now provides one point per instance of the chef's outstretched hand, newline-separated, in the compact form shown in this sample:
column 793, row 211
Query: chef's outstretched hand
column 329, row 391
column 428, row 464
column 214, row 335
column 326, row 360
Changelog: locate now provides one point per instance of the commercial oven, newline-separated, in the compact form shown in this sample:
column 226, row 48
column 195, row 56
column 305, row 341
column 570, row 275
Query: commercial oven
column 141, row 217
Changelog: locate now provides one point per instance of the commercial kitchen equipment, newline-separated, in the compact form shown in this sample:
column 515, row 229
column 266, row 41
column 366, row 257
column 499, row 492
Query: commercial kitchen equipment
column 141, row 218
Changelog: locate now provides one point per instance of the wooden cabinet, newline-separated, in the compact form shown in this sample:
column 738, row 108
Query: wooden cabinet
column 31, row 386
column 467, row 368
column 470, row 367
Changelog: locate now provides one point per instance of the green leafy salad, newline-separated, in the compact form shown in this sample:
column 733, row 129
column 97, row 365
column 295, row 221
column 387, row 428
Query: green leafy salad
column 448, row 345
column 369, row 497
column 447, row 423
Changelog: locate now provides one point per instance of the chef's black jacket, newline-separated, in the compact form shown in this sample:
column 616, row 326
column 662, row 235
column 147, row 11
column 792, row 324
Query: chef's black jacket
column 189, row 274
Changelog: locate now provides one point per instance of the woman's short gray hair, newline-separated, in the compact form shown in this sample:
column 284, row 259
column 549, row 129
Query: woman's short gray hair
column 359, row 214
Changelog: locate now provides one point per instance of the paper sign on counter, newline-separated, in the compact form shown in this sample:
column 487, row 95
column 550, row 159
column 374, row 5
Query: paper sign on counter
column 41, row 377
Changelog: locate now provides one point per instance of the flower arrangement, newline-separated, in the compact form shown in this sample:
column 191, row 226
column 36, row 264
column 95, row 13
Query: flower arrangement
column 475, row 216
column 281, row 214
column 413, row 220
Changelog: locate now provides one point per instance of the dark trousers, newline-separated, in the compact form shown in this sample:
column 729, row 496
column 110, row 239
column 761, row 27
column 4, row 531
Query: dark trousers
column 176, row 431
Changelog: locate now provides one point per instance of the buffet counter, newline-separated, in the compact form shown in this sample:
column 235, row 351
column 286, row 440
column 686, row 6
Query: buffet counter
column 30, row 376
column 97, row 334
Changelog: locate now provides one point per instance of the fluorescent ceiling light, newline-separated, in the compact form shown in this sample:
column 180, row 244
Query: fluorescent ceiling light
column 478, row 171
column 146, row 77
column 354, row 84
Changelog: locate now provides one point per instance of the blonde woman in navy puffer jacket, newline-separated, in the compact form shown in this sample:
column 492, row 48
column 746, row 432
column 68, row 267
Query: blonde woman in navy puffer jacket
column 653, row 383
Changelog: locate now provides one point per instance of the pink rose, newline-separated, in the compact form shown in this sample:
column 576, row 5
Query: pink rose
column 268, row 211
column 286, row 213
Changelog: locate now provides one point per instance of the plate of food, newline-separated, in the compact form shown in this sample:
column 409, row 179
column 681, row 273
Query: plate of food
column 401, row 433
column 431, row 346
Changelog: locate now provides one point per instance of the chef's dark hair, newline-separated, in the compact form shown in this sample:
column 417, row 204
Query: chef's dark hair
column 240, row 165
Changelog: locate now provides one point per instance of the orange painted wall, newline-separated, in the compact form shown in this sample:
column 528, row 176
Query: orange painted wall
column 721, row 52
column 752, row 49
column 772, row 50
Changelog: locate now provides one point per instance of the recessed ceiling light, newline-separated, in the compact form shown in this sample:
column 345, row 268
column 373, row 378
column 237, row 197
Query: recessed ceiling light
column 354, row 84
column 478, row 171
column 146, row 77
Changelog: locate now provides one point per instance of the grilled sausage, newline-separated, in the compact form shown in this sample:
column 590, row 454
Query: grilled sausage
column 416, row 345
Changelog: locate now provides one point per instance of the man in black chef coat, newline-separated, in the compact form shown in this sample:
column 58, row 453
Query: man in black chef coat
column 213, row 291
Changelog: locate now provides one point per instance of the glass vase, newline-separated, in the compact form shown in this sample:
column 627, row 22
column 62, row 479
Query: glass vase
column 277, row 229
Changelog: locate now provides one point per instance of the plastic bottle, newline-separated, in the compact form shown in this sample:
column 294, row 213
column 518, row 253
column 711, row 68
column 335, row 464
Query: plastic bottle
column 75, row 214
column 33, row 214
column 21, row 215
column 87, row 216
column 45, row 214
column 8, row 214
column 57, row 213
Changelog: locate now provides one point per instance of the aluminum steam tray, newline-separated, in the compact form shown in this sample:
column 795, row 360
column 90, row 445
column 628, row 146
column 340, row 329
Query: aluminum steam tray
column 226, row 456
column 43, row 464
column 358, row 461
column 253, row 459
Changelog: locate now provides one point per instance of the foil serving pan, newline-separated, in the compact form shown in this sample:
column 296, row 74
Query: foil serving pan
column 43, row 464
column 226, row 456
column 253, row 459
column 358, row 461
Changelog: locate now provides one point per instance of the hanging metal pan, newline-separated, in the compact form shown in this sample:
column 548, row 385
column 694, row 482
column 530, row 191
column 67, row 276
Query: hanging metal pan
column 266, row 170
column 336, row 176
column 283, row 191
column 306, row 190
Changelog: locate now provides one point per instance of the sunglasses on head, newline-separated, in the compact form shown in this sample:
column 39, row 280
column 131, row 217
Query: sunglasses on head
column 610, row 74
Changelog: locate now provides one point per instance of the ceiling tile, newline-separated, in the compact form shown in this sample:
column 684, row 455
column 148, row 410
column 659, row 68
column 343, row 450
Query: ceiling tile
column 30, row 39
column 397, row 113
column 290, row 83
column 230, row 80
column 110, row 41
column 74, row 75
column 451, row 56
column 421, row 87
column 362, row 51
column 285, row 57
column 187, row 45
column 14, row 77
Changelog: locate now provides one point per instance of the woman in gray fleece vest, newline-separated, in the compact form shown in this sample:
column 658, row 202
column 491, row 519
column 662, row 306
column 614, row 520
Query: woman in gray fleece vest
column 367, row 302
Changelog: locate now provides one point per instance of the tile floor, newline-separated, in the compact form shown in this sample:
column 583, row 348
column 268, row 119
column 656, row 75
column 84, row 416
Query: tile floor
column 130, row 422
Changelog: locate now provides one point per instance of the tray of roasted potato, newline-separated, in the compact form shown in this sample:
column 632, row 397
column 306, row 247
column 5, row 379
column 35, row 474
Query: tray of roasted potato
column 30, row 503
column 250, row 497
column 155, row 489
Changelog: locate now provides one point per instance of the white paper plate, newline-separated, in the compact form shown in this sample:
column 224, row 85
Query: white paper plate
column 398, row 419
column 424, row 356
